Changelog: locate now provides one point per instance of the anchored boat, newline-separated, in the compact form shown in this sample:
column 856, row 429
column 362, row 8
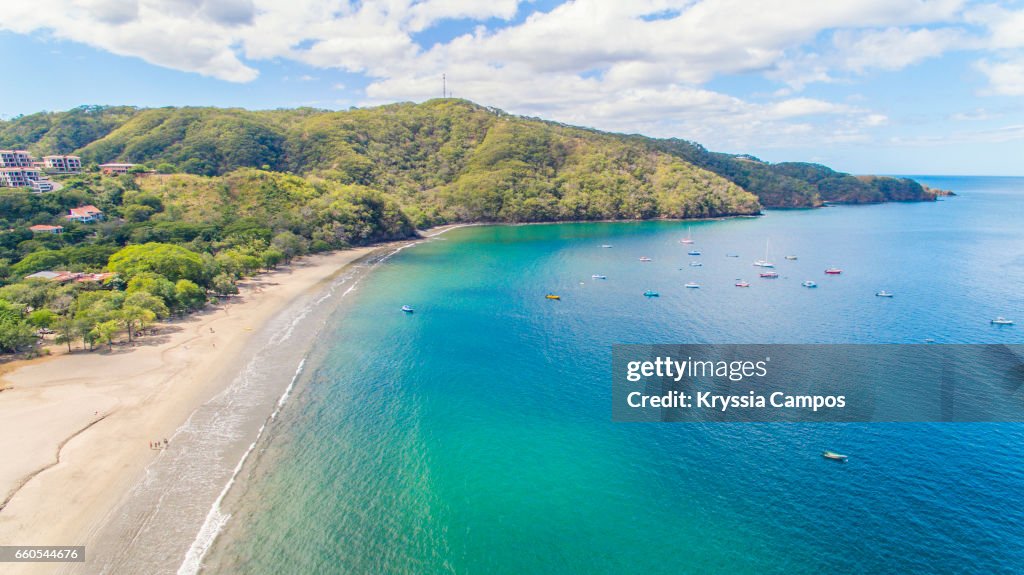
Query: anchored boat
column 833, row 271
column 651, row 293
column 835, row 456
column 408, row 309
column 883, row 293
column 1002, row 321
column 598, row 277
column 742, row 284
column 765, row 263
column 553, row 296
column 769, row 275
column 809, row 284
column 691, row 285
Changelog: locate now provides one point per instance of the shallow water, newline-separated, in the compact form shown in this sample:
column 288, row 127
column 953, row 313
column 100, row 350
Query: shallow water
column 474, row 436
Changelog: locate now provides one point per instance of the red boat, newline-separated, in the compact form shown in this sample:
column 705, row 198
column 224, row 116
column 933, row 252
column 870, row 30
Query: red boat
column 771, row 275
column 833, row 271
column 742, row 284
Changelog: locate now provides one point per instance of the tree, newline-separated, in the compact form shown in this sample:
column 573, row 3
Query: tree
column 154, row 284
column 171, row 261
column 103, row 333
column 290, row 245
column 42, row 318
column 188, row 295
column 135, row 318
column 137, row 213
column 271, row 258
column 15, row 334
column 223, row 284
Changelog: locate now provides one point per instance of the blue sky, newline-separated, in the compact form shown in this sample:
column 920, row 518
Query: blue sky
column 866, row 86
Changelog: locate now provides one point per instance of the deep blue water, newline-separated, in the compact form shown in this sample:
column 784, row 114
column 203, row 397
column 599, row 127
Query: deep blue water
column 475, row 436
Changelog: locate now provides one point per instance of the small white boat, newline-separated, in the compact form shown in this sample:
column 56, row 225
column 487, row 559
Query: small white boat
column 791, row 258
column 883, row 293
column 696, row 264
column 691, row 285
column 598, row 277
column 1002, row 321
column 646, row 259
column 740, row 283
column 765, row 263
column 809, row 284
column 606, row 245
column 835, row 456
column 408, row 309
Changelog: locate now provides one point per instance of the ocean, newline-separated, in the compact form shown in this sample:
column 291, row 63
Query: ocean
column 475, row 435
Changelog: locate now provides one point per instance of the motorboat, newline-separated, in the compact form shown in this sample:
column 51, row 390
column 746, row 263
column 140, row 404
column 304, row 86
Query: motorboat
column 553, row 296
column 646, row 259
column 769, row 274
column 833, row 271
column 651, row 293
column 742, row 284
column 1002, row 321
column 835, row 456
column 883, row 293
column 790, row 258
column 598, row 277
column 606, row 245
column 408, row 309
column 691, row 285
column 693, row 253
column 809, row 284
column 696, row 265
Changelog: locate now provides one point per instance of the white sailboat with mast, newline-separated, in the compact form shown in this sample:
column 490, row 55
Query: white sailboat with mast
column 765, row 263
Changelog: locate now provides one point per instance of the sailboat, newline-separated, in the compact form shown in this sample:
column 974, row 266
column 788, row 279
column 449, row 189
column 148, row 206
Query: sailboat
column 765, row 263
column 687, row 239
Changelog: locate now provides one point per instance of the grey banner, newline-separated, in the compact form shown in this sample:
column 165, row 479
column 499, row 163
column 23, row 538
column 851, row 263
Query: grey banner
column 41, row 554
column 818, row 383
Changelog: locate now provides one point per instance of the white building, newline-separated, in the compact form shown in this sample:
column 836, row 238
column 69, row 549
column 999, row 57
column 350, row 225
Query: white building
column 63, row 164
column 15, row 159
column 24, row 178
column 116, row 168
column 18, row 177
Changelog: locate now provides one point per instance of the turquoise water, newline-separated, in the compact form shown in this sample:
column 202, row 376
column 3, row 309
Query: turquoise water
column 475, row 436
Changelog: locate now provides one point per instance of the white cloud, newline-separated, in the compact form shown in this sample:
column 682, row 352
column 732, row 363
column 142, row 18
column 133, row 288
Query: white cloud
column 894, row 48
column 1005, row 78
column 641, row 65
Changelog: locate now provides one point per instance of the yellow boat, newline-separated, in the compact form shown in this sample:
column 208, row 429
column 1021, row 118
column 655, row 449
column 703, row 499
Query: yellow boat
column 553, row 296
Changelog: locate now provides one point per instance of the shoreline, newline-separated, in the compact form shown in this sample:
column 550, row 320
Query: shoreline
column 76, row 427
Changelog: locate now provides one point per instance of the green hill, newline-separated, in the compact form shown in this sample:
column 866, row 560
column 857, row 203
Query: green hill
column 452, row 160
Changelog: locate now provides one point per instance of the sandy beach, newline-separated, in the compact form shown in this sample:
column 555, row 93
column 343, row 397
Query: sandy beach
column 76, row 429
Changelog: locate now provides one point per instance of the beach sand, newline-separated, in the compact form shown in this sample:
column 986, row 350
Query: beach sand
column 75, row 429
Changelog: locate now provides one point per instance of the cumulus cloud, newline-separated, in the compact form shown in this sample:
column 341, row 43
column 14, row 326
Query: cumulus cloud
column 642, row 65
column 1005, row 78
